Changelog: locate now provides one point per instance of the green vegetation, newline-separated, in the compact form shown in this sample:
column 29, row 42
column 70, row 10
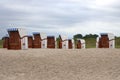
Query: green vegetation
column 117, row 42
column 90, row 42
column 78, row 36
column 58, row 39
column 1, row 43
column 90, row 36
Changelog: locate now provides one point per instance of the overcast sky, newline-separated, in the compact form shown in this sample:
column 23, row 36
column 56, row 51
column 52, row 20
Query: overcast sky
column 61, row 16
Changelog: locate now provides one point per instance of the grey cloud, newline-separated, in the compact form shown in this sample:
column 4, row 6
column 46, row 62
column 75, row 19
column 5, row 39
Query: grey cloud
column 50, row 15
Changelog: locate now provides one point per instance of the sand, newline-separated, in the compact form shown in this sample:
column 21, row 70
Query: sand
column 57, row 64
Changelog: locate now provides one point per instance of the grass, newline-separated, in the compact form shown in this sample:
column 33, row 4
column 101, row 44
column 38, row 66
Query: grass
column 1, row 43
column 90, row 42
column 117, row 42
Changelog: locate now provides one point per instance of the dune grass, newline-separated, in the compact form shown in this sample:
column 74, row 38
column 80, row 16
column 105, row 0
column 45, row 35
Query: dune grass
column 90, row 42
column 1, row 43
column 117, row 42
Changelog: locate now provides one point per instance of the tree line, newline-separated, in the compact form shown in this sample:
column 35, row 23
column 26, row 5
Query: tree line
column 86, row 36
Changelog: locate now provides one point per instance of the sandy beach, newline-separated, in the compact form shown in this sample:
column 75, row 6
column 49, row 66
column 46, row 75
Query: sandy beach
column 60, row 64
